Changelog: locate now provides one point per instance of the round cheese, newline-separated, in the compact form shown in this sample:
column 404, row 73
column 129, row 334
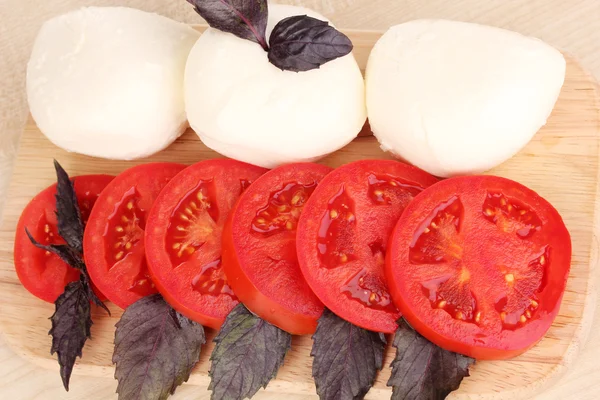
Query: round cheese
column 108, row 82
column 457, row 98
column 244, row 107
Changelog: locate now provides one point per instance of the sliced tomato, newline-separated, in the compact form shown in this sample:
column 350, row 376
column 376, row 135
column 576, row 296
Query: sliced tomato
column 478, row 265
column 113, row 242
column 42, row 273
column 259, row 248
column 343, row 233
column 183, row 238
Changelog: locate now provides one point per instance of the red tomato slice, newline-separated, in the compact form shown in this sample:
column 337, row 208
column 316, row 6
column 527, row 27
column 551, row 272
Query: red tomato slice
column 478, row 265
column 113, row 242
column 183, row 238
column 259, row 248
column 343, row 233
column 44, row 274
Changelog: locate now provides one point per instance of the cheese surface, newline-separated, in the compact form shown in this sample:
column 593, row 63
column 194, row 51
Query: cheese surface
column 458, row 98
column 244, row 107
column 108, row 82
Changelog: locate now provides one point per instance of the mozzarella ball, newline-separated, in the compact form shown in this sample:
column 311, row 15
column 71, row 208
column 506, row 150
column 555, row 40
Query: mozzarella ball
column 108, row 82
column 457, row 98
column 244, row 107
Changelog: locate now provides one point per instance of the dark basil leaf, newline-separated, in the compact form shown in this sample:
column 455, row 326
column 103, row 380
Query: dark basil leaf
column 302, row 43
column 248, row 354
column 246, row 19
column 91, row 295
column 70, row 225
column 71, row 323
column 423, row 371
column 346, row 358
column 155, row 349
column 65, row 252
column 68, row 255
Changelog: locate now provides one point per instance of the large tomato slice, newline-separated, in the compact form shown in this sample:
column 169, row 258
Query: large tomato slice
column 113, row 242
column 343, row 233
column 42, row 273
column 259, row 248
column 478, row 265
column 183, row 238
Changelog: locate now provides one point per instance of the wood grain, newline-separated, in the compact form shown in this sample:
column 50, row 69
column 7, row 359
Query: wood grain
column 561, row 163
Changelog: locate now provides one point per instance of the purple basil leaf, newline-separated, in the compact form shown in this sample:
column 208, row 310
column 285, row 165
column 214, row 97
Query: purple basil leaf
column 71, row 323
column 346, row 358
column 69, row 256
column 91, row 295
column 65, row 252
column 247, row 355
column 302, row 43
column 155, row 349
column 70, row 225
column 423, row 371
column 246, row 19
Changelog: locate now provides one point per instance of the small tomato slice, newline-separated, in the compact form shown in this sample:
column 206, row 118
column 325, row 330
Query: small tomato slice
column 478, row 265
column 44, row 274
column 259, row 248
column 343, row 233
column 183, row 238
column 113, row 242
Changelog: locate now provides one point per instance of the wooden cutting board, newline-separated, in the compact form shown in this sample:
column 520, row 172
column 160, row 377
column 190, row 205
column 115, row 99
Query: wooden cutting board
column 561, row 163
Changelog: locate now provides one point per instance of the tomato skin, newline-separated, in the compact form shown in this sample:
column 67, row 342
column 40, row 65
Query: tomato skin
column 47, row 278
column 491, row 338
column 283, row 298
column 342, row 234
column 190, row 214
column 118, row 271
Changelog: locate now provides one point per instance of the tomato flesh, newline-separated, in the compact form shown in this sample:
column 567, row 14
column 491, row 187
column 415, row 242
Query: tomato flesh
column 478, row 265
column 343, row 233
column 259, row 248
column 113, row 243
column 42, row 273
column 183, row 238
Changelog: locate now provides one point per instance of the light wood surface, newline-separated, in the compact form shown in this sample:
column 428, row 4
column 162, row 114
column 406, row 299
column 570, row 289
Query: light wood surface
column 561, row 163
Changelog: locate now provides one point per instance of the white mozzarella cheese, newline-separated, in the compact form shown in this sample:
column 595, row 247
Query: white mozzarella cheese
column 458, row 98
column 242, row 106
column 108, row 82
